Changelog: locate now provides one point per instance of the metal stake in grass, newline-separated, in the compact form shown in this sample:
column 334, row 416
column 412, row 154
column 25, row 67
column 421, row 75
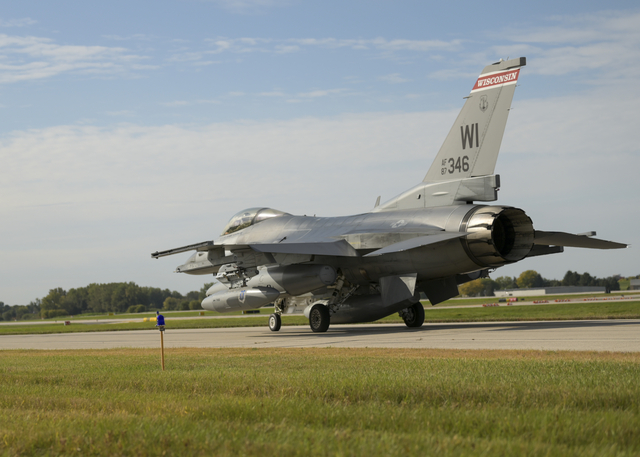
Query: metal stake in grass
column 160, row 325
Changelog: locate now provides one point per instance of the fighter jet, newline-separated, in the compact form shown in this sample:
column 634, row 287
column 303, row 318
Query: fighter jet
column 430, row 239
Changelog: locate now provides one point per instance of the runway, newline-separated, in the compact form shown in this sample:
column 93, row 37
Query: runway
column 594, row 335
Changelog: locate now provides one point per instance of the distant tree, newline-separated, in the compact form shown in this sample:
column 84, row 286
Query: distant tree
column 551, row 282
column 471, row 288
column 172, row 304
column 155, row 296
column 195, row 304
column 506, row 282
column 53, row 301
column 571, row 278
column 75, row 301
column 193, row 295
column 529, row 279
column 586, row 280
column 98, row 298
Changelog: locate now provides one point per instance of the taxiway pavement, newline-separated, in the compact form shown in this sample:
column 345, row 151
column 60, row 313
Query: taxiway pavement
column 591, row 335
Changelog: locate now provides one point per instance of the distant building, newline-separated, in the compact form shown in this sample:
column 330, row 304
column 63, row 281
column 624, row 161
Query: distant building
column 550, row 291
column 634, row 284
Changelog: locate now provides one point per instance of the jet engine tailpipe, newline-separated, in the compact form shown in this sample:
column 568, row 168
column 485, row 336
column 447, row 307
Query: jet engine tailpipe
column 498, row 235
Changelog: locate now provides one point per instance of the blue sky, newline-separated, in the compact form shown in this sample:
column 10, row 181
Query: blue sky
column 129, row 127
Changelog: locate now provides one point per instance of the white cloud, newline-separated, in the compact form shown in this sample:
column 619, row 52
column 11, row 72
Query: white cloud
column 91, row 203
column 273, row 93
column 314, row 94
column 191, row 102
column 393, row 78
column 321, row 93
column 379, row 43
column 121, row 113
column 245, row 45
column 29, row 58
column 607, row 42
column 17, row 22
column 134, row 37
column 249, row 6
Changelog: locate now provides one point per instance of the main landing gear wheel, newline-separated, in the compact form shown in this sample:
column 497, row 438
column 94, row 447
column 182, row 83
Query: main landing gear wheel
column 413, row 316
column 275, row 322
column 319, row 318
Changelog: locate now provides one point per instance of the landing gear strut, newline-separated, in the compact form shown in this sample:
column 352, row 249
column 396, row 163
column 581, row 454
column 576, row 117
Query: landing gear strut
column 319, row 318
column 413, row 316
column 275, row 322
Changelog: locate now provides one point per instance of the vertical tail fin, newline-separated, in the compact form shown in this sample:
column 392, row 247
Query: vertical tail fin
column 472, row 146
column 463, row 169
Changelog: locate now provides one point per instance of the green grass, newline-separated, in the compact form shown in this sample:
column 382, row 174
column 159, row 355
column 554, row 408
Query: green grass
column 194, row 313
column 139, row 325
column 557, row 311
column 315, row 402
column 560, row 311
column 550, row 298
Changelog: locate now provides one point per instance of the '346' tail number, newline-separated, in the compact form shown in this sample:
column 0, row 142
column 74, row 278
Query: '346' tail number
column 451, row 165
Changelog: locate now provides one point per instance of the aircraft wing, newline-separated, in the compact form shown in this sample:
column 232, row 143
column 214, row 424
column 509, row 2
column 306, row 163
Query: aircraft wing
column 417, row 242
column 339, row 248
column 574, row 241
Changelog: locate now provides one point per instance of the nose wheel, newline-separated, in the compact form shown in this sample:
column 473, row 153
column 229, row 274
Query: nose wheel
column 275, row 322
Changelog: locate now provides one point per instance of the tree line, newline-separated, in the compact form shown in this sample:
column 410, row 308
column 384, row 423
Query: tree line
column 124, row 297
column 103, row 298
column 485, row 287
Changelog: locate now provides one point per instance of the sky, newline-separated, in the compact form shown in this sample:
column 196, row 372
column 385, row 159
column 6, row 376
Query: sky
column 137, row 126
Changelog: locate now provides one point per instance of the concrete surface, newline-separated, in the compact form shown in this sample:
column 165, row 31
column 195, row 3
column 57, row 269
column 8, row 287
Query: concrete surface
column 594, row 335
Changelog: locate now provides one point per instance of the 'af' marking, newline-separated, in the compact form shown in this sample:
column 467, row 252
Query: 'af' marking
column 451, row 165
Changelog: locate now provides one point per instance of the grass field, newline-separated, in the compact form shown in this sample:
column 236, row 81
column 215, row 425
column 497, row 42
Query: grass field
column 561, row 311
column 319, row 402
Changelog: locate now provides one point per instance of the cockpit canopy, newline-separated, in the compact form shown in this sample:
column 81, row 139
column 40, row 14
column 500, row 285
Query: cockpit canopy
column 250, row 216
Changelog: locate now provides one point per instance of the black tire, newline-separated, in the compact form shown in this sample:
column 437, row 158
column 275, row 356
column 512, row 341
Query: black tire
column 414, row 316
column 319, row 318
column 275, row 322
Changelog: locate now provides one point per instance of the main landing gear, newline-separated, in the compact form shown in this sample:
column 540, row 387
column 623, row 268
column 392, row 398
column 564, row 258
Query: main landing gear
column 319, row 318
column 413, row 316
column 275, row 322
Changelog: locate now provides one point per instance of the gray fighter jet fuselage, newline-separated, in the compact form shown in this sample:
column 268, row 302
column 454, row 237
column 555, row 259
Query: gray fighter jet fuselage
column 361, row 268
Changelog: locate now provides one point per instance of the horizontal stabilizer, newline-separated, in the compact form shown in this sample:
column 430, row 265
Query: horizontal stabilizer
column 204, row 246
column 417, row 242
column 337, row 248
column 574, row 241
